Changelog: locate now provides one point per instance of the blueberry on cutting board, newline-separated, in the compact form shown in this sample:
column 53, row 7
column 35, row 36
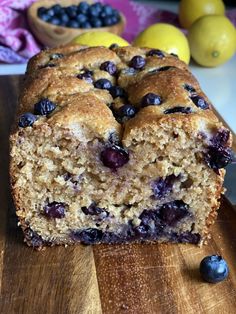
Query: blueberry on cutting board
column 214, row 269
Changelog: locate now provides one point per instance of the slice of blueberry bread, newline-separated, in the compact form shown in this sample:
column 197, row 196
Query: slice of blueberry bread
column 115, row 145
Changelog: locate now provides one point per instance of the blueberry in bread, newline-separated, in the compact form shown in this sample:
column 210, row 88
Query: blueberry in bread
column 113, row 146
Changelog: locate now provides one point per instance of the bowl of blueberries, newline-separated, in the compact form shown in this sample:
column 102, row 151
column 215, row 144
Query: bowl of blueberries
column 59, row 22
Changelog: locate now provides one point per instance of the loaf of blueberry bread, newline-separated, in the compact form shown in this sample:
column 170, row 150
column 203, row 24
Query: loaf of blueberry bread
column 115, row 145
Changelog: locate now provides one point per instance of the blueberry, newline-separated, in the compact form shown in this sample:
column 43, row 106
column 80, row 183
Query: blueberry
column 41, row 11
column 44, row 107
column 86, row 24
column 56, row 56
column 55, row 21
column 50, row 12
column 114, row 19
column 103, row 84
column 26, row 119
column 81, row 18
column 56, row 8
column 109, row 67
column 87, row 236
column 151, row 99
column 106, row 10
column 214, row 269
column 94, row 10
column 137, row 62
column 125, row 112
column 73, row 24
column 54, row 210
column 172, row 212
column 117, row 91
column 163, row 186
column 189, row 88
column 64, row 18
column 108, row 21
column 114, row 157
column 156, row 52
column 92, row 210
column 96, row 22
column 178, row 109
column 71, row 11
column 218, row 157
column 86, row 75
column 200, row 102
column 83, row 7
column 220, row 138
column 45, row 17
column 115, row 13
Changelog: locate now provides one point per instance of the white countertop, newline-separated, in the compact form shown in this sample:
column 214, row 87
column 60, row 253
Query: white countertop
column 219, row 84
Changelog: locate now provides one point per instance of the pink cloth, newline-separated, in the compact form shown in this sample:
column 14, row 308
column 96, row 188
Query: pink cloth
column 17, row 44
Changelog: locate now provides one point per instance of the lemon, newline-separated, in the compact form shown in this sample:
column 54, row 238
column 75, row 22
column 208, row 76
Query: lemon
column 165, row 37
column 98, row 38
column 191, row 10
column 212, row 40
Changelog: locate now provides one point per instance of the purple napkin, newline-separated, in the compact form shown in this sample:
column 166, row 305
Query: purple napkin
column 17, row 43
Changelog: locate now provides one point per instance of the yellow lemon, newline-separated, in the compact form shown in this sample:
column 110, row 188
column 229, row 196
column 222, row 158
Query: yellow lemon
column 191, row 10
column 212, row 40
column 98, row 38
column 165, row 37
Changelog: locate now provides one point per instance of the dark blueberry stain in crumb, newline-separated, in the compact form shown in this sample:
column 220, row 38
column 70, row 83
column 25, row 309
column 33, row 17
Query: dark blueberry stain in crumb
column 163, row 186
column 185, row 237
column 220, row 138
column 218, row 155
column 154, row 225
column 178, row 109
column 34, row 238
column 87, row 236
column 54, row 210
column 93, row 210
column 171, row 213
column 114, row 157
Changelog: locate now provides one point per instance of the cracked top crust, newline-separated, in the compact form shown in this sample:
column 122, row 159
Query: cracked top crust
column 54, row 74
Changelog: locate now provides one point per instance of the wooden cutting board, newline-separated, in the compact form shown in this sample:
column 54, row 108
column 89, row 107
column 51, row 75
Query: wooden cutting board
column 134, row 279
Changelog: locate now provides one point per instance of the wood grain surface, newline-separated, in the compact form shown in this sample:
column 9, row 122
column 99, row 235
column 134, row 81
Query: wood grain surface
column 134, row 279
